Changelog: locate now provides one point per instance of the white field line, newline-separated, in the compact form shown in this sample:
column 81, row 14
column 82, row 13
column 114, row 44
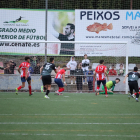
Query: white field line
column 76, row 135
column 69, row 114
column 69, row 123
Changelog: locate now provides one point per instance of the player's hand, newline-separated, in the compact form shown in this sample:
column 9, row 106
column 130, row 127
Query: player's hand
column 26, row 77
column 65, row 84
column 124, row 82
column 41, row 77
column 107, row 78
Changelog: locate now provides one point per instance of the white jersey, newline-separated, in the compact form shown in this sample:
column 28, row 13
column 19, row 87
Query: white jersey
column 85, row 64
column 72, row 65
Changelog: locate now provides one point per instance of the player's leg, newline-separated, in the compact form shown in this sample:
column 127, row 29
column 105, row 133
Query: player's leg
column 131, row 87
column 98, row 86
column 61, row 87
column 80, row 84
column 29, row 86
column 47, row 84
column 23, row 80
column 136, row 90
column 105, row 87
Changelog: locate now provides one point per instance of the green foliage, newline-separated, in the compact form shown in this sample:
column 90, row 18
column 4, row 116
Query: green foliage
column 70, row 4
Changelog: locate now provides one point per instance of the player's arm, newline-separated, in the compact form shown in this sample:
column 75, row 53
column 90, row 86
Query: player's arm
column 125, row 78
column 55, row 70
column 64, row 79
column 41, row 69
column 26, row 71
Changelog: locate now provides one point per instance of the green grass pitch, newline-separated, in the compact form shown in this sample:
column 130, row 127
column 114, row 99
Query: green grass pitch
column 73, row 116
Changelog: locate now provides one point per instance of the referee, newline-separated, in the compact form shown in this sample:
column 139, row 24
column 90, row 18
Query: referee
column 133, row 82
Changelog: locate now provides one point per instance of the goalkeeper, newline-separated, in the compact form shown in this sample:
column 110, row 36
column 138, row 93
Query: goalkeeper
column 110, row 86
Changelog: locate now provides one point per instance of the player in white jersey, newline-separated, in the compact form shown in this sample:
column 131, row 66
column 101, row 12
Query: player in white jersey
column 85, row 65
column 72, row 64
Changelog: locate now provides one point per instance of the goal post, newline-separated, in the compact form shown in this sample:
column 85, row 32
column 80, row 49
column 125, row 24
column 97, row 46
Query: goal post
column 113, row 52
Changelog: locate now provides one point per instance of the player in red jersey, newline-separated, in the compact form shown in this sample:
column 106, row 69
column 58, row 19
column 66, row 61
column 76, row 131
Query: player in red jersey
column 25, row 75
column 100, row 76
column 58, row 81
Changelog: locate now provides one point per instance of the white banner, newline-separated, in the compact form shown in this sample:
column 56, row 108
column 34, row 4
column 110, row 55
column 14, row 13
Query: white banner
column 22, row 25
column 107, row 25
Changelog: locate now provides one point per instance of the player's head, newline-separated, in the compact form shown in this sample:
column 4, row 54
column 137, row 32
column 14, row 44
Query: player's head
column 51, row 60
column 69, row 29
column 135, row 68
column 38, row 64
column 64, row 67
column 27, row 58
column 117, row 80
column 85, row 56
column 113, row 66
column 101, row 62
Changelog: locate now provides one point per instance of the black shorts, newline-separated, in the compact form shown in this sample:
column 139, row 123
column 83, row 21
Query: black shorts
column 72, row 72
column 101, row 81
column 47, row 80
column 133, row 85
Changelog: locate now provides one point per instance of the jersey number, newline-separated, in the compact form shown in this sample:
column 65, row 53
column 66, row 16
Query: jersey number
column 100, row 68
column 133, row 75
column 47, row 67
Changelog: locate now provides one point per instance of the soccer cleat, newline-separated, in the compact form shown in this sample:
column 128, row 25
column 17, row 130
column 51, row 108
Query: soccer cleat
column 30, row 94
column 106, row 96
column 46, row 97
column 16, row 91
column 60, row 94
column 97, row 91
column 56, row 93
column 133, row 96
column 137, row 100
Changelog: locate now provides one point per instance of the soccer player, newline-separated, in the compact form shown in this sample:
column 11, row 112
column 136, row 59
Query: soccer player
column 100, row 75
column 85, row 65
column 58, row 81
column 25, row 75
column 133, row 82
column 66, row 48
column 110, row 86
column 46, row 75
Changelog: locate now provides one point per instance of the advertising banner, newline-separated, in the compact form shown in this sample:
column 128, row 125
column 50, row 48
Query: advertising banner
column 107, row 25
column 22, row 25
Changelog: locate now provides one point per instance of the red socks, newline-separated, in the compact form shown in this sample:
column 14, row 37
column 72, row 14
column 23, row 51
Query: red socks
column 61, row 89
column 98, row 88
column 105, row 90
column 29, row 89
column 19, row 87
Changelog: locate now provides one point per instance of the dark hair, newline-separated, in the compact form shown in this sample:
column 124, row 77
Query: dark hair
column 135, row 68
column 112, row 65
column 118, row 79
column 85, row 54
column 26, row 58
column 101, row 61
column 51, row 59
column 64, row 66
column 72, row 26
column 121, row 64
column 89, row 67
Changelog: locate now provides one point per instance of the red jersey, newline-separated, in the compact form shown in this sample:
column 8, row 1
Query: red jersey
column 59, row 74
column 100, row 72
column 23, row 67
